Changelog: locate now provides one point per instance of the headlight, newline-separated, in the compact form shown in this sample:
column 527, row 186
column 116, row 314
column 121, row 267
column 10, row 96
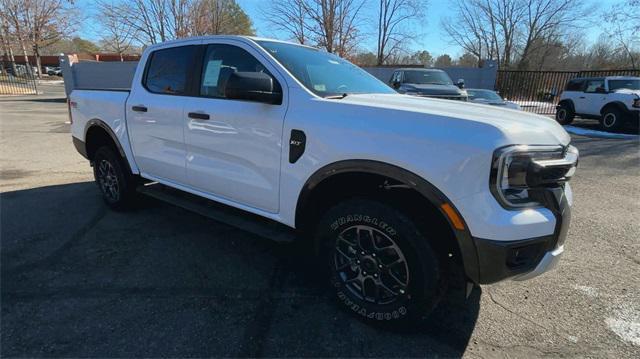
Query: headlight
column 518, row 173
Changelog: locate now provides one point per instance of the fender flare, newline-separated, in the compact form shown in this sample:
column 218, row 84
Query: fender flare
column 617, row 104
column 569, row 102
column 432, row 194
column 99, row 123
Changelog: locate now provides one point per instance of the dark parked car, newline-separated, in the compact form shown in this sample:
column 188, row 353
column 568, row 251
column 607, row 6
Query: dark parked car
column 488, row 97
column 427, row 83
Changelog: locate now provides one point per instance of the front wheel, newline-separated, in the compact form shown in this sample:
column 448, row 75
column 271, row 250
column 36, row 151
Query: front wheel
column 381, row 267
column 612, row 119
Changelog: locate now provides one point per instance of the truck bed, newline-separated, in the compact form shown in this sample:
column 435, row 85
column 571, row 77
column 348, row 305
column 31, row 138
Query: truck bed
column 92, row 75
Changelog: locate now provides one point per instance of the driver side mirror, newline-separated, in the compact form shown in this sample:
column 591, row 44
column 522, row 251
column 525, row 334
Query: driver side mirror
column 460, row 83
column 253, row 86
column 395, row 84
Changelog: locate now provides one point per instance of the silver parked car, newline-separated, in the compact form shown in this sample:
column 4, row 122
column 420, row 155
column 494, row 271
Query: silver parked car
column 488, row 97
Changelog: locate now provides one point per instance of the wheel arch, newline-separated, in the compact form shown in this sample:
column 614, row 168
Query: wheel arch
column 320, row 189
column 569, row 103
column 614, row 104
column 97, row 133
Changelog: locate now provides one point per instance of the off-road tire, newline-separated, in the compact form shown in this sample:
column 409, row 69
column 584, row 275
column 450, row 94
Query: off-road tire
column 612, row 119
column 387, row 225
column 116, row 183
column 565, row 114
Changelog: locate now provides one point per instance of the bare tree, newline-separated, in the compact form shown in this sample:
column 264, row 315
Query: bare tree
column 334, row 24
column 546, row 21
column 512, row 31
column 37, row 23
column 148, row 19
column 47, row 22
column 154, row 21
column 5, row 38
column 392, row 16
column 13, row 16
column 473, row 30
column 624, row 29
column 212, row 17
column 290, row 17
column 117, row 35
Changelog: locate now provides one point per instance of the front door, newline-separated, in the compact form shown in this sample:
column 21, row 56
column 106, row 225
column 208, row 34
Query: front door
column 233, row 147
column 593, row 97
column 155, row 114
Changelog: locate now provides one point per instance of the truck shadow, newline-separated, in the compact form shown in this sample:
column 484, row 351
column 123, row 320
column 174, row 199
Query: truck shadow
column 81, row 280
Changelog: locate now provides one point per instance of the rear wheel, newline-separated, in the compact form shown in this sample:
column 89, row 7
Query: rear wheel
column 612, row 119
column 113, row 177
column 381, row 266
column 564, row 114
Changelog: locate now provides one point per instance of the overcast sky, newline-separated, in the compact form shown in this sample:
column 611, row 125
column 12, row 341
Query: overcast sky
column 431, row 39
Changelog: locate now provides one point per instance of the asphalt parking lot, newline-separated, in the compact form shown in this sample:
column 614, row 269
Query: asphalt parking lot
column 79, row 280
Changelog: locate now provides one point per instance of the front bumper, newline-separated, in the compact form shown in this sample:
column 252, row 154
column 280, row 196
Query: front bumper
column 526, row 258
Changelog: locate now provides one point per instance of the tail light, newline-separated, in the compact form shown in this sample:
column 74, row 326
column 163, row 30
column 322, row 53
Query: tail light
column 71, row 104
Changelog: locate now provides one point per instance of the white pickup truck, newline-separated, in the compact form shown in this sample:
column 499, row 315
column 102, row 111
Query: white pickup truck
column 393, row 192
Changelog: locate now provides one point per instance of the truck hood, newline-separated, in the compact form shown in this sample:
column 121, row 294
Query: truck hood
column 433, row 89
column 518, row 127
column 628, row 92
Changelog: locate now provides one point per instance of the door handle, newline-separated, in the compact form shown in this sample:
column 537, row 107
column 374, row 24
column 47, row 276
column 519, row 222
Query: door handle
column 581, row 97
column 139, row 108
column 198, row 116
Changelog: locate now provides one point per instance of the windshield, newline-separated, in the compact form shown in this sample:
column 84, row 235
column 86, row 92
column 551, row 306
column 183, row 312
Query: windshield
column 484, row 95
column 630, row 84
column 426, row 77
column 323, row 73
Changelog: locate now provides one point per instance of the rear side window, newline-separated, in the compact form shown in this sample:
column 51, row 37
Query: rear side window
column 575, row 85
column 168, row 70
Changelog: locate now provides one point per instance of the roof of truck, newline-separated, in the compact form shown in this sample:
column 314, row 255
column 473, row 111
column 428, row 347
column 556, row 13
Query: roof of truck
column 225, row 37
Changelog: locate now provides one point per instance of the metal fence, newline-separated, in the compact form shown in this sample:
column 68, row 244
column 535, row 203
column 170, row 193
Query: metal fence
column 17, row 81
column 539, row 91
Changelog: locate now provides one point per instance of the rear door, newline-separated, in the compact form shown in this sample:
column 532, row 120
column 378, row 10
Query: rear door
column 233, row 146
column 155, row 113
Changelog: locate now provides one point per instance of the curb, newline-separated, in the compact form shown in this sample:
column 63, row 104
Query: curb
column 599, row 134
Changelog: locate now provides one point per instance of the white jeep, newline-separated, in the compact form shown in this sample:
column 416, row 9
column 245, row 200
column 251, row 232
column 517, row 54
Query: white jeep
column 614, row 101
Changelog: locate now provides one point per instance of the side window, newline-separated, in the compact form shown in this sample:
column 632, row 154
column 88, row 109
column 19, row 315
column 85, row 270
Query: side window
column 575, row 85
column 220, row 61
column 395, row 77
column 592, row 85
column 168, row 69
